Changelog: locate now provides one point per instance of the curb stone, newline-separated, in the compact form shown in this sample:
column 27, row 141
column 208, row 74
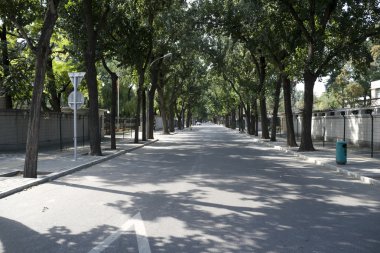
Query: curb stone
column 364, row 179
column 56, row 175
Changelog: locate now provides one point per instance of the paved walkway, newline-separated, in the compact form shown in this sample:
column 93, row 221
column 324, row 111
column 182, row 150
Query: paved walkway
column 359, row 165
column 54, row 164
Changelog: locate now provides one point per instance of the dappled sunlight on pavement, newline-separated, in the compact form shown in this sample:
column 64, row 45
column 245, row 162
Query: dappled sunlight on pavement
column 211, row 190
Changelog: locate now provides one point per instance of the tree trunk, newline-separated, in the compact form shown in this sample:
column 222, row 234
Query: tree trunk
column 42, row 52
column 179, row 119
column 138, row 104
column 183, row 115
column 162, row 105
column 51, row 85
column 261, row 71
column 275, row 108
column 249, row 119
column 154, row 71
column 306, row 139
column 290, row 135
column 92, row 84
column 180, row 116
column 241, row 118
column 143, row 109
column 227, row 121
column 233, row 118
column 188, row 117
column 114, row 81
column 151, row 94
column 256, row 117
column 6, row 65
column 171, row 120
column 264, row 118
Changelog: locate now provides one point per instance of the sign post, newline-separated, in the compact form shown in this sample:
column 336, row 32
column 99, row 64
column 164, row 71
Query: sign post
column 76, row 100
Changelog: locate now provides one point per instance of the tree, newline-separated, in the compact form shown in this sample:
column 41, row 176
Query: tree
column 90, row 60
column 276, row 96
column 18, row 15
column 280, row 41
column 41, row 51
column 114, row 83
column 6, row 66
column 331, row 30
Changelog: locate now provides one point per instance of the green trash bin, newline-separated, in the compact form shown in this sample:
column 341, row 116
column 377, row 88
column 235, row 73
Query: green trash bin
column 341, row 152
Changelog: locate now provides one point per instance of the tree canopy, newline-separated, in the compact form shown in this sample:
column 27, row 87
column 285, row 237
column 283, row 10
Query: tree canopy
column 229, row 58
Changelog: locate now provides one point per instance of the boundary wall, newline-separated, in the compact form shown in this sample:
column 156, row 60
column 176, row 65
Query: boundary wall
column 355, row 126
column 56, row 129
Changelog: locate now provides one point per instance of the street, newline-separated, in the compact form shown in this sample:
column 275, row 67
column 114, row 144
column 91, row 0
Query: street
column 206, row 190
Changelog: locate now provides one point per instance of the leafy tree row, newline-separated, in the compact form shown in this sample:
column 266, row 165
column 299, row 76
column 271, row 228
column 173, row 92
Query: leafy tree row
column 204, row 60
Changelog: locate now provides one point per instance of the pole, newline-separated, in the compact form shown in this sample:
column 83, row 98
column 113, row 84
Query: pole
column 60, row 131
column 324, row 136
column 371, row 135
column 83, row 130
column 75, row 117
column 118, row 104
column 344, row 128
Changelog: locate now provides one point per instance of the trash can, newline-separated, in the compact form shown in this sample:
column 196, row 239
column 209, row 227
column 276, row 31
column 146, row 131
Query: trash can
column 341, row 152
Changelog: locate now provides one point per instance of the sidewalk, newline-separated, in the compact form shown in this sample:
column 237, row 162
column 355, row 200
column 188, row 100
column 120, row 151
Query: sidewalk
column 359, row 165
column 55, row 163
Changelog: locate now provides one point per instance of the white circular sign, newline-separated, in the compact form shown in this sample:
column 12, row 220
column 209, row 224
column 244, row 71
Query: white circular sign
column 79, row 100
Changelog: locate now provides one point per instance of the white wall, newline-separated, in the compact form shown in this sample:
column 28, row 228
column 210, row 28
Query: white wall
column 358, row 127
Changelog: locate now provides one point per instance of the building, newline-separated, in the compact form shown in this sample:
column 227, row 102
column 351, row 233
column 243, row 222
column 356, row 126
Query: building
column 375, row 93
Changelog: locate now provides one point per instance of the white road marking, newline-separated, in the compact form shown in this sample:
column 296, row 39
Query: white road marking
column 142, row 238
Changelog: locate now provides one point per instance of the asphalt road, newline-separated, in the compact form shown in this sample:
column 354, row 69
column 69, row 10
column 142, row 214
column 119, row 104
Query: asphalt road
column 205, row 190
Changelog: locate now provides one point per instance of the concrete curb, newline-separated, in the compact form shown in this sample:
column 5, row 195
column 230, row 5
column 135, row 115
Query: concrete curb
column 59, row 174
column 336, row 168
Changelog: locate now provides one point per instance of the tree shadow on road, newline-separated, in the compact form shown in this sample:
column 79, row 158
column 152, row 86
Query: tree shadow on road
column 248, row 198
column 16, row 237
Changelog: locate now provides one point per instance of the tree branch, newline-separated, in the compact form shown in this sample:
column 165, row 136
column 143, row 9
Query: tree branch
column 24, row 35
column 234, row 88
column 312, row 16
column 298, row 20
column 328, row 12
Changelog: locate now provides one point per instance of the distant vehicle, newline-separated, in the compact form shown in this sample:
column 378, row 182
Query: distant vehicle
column 198, row 123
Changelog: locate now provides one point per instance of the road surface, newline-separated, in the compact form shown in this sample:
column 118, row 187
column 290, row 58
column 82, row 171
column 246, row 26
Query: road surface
column 205, row 190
